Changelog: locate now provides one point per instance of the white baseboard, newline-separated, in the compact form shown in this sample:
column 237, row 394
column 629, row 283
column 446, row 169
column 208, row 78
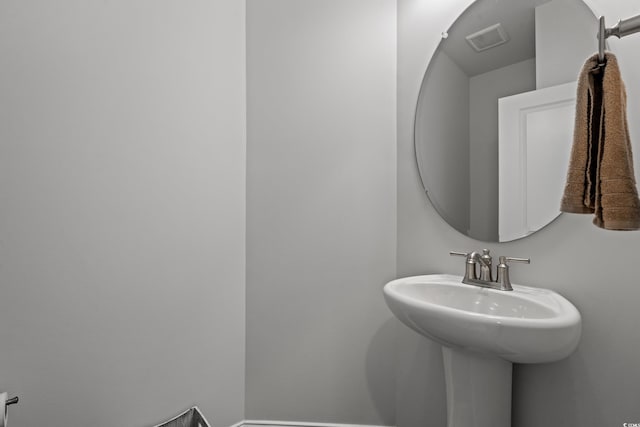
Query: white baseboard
column 271, row 423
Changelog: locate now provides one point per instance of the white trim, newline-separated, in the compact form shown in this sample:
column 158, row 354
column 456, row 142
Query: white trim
column 249, row 423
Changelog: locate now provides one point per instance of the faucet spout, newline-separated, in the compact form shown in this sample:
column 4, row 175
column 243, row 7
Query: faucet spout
column 485, row 261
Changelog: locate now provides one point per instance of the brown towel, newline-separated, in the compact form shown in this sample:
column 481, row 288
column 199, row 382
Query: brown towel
column 601, row 179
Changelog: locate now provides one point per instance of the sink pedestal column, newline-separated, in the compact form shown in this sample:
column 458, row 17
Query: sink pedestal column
column 478, row 389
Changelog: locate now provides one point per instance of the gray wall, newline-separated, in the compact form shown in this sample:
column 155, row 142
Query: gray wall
column 443, row 145
column 122, row 181
column 595, row 269
column 122, row 200
column 484, row 92
column 321, row 199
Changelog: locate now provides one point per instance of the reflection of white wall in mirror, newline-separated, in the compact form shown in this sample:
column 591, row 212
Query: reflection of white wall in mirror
column 561, row 45
column 445, row 166
column 484, row 92
column 536, row 131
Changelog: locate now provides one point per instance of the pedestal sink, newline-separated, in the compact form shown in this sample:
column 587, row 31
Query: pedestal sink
column 482, row 332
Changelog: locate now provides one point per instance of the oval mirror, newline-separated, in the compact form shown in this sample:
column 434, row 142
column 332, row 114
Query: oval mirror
column 494, row 120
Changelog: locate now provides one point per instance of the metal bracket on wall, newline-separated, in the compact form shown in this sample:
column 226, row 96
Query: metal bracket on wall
column 624, row 27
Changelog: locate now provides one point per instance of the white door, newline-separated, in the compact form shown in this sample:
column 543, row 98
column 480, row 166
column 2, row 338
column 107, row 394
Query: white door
column 535, row 137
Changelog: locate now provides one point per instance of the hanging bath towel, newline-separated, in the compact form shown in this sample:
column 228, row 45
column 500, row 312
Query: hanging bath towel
column 189, row 418
column 601, row 178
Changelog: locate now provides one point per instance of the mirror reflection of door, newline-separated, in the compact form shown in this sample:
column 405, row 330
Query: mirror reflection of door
column 538, row 44
column 534, row 128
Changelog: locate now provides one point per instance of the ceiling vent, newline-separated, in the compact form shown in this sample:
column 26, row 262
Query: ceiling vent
column 492, row 36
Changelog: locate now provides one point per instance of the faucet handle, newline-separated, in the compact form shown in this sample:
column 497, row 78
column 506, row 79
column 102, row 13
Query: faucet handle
column 464, row 254
column 505, row 259
column 470, row 264
column 503, row 279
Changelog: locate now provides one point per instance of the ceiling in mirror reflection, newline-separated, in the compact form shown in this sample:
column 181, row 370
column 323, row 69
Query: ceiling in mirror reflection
column 518, row 20
column 457, row 129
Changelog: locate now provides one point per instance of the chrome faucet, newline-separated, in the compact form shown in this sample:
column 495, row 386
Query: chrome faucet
column 484, row 262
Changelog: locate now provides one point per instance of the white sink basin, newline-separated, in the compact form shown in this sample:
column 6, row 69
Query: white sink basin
column 526, row 325
column 482, row 332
